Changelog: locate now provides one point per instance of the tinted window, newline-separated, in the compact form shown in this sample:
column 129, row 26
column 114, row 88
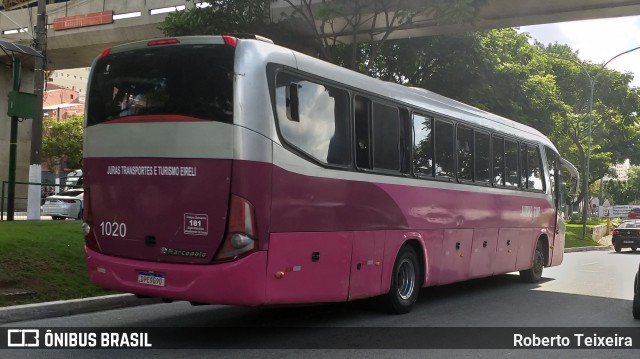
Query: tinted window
column 464, row 143
column 423, row 145
column 186, row 80
column 322, row 126
column 386, row 137
column 512, row 177
column 70, row 193
column 444, row 163
column 523, row 166
column 535, row 179
column 362, row 110
column 482, row 157
column 498, row 161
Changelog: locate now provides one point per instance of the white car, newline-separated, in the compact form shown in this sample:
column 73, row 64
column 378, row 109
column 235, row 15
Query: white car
column 67, row 204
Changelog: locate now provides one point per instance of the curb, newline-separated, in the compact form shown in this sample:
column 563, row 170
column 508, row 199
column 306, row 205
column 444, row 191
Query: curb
column 63, row 308
column 71, row 307
column 585, row 249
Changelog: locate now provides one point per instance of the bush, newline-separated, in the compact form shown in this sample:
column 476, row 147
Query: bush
column 576, row 218
column 594, row 221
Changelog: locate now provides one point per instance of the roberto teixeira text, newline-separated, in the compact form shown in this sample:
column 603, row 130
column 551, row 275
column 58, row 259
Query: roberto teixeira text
column 577, row 340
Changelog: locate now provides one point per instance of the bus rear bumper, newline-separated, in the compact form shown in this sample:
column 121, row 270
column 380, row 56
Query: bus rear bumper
column 240, row 282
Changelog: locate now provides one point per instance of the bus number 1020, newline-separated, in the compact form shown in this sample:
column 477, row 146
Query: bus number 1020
column 113, row 229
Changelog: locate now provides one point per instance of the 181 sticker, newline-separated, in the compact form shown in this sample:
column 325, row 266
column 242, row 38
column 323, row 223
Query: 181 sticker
column 196, row 224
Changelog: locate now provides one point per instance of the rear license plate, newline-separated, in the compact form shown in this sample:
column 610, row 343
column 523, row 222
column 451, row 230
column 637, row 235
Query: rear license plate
column 149, row 278
column 628, row 242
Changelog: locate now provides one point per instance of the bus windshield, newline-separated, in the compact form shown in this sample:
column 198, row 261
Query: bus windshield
column 195, row 81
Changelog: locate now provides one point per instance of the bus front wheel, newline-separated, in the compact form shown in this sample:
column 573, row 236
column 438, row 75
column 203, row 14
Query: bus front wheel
column 406, row 282
column 534, row 274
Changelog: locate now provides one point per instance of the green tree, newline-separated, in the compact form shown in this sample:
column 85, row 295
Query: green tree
column 230, row 17
column 614, row 119
column 498, row 71
column 331, row 25
column 62, row 142
column 625, row 192
column 222, row 16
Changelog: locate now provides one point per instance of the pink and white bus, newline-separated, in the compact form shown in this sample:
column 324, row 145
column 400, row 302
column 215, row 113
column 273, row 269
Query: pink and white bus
column 234, row 171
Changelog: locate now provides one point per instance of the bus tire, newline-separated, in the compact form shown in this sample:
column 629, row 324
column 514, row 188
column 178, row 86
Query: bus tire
column 406, row 282
column 534, row 274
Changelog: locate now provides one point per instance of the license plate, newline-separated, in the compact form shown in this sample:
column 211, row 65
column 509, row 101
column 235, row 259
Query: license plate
column 628, row 242
column 149, row 278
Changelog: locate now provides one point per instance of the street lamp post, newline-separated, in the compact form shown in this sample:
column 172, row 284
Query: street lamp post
column 592, row 84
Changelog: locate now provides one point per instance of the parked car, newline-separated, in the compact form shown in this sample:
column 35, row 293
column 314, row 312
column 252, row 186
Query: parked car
column 626, row 235
column 67, row 204
column 636, row 295
column 634, row 213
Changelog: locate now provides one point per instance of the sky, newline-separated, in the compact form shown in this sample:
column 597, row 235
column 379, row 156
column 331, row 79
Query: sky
column 597, row 40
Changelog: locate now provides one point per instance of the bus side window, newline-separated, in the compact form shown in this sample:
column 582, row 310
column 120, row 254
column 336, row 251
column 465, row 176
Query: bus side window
column 498, row 160
column 524, row 174
column 465, row 146
column 422, row 146
column 362, row 109
column 386, row 131
column 444, row 153
column 512, row 176
column 314, row 119
column 482, row 157
column 535, row 177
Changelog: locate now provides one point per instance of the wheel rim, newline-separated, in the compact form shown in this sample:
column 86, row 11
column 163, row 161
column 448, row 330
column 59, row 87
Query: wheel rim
column 406, row 279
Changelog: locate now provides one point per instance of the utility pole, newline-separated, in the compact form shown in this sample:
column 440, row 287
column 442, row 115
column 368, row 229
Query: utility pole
column 13, row 144
column 35, row 163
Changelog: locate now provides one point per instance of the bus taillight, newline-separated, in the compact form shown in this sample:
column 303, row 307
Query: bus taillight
column 242, row 230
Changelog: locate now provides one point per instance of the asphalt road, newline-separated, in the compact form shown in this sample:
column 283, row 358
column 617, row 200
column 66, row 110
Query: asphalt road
column 590, row 289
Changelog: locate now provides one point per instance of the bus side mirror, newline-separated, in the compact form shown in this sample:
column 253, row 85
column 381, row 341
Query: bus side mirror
column 293, row 109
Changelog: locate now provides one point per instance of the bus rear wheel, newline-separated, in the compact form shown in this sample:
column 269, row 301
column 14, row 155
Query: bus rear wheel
column 406, row 282
column 534, row 274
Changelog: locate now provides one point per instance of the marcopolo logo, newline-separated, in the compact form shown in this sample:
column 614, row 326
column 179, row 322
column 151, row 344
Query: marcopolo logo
column 22, row 338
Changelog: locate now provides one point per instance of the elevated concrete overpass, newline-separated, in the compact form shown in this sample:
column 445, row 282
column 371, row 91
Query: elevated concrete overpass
column 80, row 29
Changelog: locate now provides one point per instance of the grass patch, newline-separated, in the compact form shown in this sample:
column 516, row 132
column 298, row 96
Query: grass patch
column 573, row 237
column 46, row 259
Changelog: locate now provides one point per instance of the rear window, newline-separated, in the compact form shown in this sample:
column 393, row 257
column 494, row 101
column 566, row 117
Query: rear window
column 70, row 193
column 187, row 80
